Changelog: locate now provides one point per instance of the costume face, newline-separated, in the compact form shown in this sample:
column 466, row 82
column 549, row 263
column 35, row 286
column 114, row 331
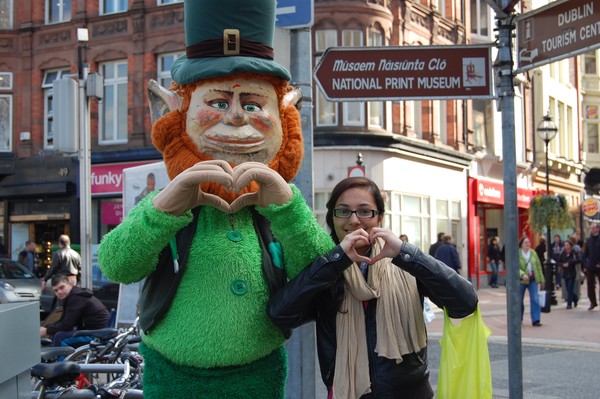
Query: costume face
column 354, row 199
column 236, row 120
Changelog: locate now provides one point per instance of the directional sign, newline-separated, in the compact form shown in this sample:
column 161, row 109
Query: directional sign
column 292, row 14
column 557, row 31
column 399, row 73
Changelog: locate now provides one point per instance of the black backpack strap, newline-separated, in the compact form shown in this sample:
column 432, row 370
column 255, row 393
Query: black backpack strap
column 272, row 257
column 160, row 287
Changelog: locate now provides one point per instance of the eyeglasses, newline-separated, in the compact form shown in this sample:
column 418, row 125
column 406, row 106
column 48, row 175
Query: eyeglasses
column 360, row 213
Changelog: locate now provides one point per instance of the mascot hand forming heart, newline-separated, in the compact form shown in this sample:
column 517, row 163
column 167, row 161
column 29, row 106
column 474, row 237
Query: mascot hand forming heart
column 230, row 148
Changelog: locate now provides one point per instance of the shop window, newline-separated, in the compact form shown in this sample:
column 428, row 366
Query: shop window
column 320, row 207
column 163, row 2
column 58, row 11
column 113, row 108
column 326, row 111
column 112, row 6
column 6, row 14
column 410, row 215
column 165, row 61
column 49, row 78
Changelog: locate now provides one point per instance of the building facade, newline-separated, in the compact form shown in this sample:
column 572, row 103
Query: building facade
column 438, row 161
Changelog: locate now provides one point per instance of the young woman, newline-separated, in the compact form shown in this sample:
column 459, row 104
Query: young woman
column 531, row 274
column 568, row 262
column 366, row 297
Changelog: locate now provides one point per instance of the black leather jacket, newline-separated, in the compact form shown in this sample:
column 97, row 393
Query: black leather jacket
column 315, row 295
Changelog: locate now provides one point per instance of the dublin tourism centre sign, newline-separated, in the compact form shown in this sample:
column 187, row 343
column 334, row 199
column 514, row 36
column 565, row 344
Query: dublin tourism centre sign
column 559, row 30
column 404, row 73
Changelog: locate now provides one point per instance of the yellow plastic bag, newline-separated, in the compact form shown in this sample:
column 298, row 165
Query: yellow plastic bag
column 465, row 370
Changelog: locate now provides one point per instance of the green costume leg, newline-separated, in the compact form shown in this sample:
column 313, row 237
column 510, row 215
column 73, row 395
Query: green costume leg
column 262, row 379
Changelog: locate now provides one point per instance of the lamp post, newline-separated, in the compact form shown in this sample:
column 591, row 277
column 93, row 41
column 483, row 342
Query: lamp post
column 547, row 130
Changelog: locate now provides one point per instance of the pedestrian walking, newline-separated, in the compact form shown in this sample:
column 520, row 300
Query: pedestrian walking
column 568, row 262
column 530, row 274
column 493, row 258
column 433, row 248
column 28, row 257
column 448, row 254
column 592, row 266
column 556, row 250
column 64, row 261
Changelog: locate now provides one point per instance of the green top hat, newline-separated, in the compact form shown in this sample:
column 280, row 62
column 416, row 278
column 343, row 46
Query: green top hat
column 225, row 37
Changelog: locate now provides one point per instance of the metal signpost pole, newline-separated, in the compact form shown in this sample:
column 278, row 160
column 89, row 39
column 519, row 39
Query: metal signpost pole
column 506, row 93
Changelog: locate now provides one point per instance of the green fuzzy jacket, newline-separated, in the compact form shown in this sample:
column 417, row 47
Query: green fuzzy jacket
column 538, row 272
column 210, row 323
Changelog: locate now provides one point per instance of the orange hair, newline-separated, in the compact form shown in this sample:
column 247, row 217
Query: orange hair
column 180, row 152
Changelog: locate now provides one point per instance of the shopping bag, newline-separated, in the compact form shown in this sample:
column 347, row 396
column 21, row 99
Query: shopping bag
column 542, row 297
column 465, row 370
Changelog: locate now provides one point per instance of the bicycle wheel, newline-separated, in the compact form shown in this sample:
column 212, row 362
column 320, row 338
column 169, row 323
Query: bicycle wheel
column 84, row 354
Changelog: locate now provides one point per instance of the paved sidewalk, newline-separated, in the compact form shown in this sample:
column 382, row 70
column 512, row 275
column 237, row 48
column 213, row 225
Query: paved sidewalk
column 577, row 327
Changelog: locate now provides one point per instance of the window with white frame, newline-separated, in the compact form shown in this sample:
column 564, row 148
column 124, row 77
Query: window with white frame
column 354, row 111
column 49, row 78
column 590, row 63
column 163, row 2
column 480, row 18
column 165, row 61
column 112, row 6
column 113, row 108
column 6, row 87
column 326, row 111
column 591, row 124
column 417, row 115
column 447, row 218
column 440, row 125
column 58, row 11
column 6, row 14
column 408, row 214
column 376, row 109
column 483, row 124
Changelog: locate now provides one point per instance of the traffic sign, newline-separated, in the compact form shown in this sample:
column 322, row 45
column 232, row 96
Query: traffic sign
column 560, row 30
column 404, row 73
column 292, row 14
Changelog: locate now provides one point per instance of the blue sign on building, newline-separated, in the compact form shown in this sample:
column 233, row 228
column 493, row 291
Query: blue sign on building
column 295, row 13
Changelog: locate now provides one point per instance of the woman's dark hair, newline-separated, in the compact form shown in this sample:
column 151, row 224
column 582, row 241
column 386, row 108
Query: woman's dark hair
column 343, row 186
column 521, row 241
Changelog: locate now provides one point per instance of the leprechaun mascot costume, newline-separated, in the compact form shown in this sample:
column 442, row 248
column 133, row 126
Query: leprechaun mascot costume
column 230, row 149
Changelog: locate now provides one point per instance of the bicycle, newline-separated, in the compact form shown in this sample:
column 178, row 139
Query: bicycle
column 59, row 379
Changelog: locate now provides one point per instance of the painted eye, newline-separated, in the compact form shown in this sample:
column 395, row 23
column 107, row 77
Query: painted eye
column 219, row 104
column 252, row 108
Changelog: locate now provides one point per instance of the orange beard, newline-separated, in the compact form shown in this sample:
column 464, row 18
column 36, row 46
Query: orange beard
column 180, row 152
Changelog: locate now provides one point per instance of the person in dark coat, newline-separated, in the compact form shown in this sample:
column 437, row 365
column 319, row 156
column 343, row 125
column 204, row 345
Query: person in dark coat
column 81, row 311
column 568, row 261
column 436, row 244
column 592, row 264
column 448, row 254
column 493, row 256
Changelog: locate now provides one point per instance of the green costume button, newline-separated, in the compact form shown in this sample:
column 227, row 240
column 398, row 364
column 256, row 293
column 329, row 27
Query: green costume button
column 235, row 235
column 239, row 286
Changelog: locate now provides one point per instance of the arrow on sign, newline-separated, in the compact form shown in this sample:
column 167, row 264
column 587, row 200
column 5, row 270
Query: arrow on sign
column 532, row 54
column 285, row 10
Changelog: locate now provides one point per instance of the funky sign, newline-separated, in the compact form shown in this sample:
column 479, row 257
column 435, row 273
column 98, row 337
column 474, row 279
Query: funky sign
column 557, row 31
column 399, row 73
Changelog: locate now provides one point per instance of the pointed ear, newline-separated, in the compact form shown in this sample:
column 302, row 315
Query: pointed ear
column 293, row 97
column 161, row 100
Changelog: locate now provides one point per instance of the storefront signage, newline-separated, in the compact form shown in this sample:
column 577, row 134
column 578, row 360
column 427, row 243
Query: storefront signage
column 112, row 212
column 493, row 193
column 108, row 178
column 590, row 207
column 407, row 72
column 557, row 31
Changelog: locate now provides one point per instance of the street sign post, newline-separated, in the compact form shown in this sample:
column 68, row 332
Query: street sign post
column 294, row 14
column 404, row 73
column 559, row 30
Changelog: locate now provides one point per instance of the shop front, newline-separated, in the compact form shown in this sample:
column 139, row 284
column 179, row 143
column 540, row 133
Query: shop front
column 486, row 220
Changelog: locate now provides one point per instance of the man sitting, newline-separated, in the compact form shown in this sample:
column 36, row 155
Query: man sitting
column 81, row 311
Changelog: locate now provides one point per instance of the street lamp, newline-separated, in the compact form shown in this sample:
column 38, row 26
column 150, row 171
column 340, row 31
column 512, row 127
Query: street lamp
column 547, row 130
